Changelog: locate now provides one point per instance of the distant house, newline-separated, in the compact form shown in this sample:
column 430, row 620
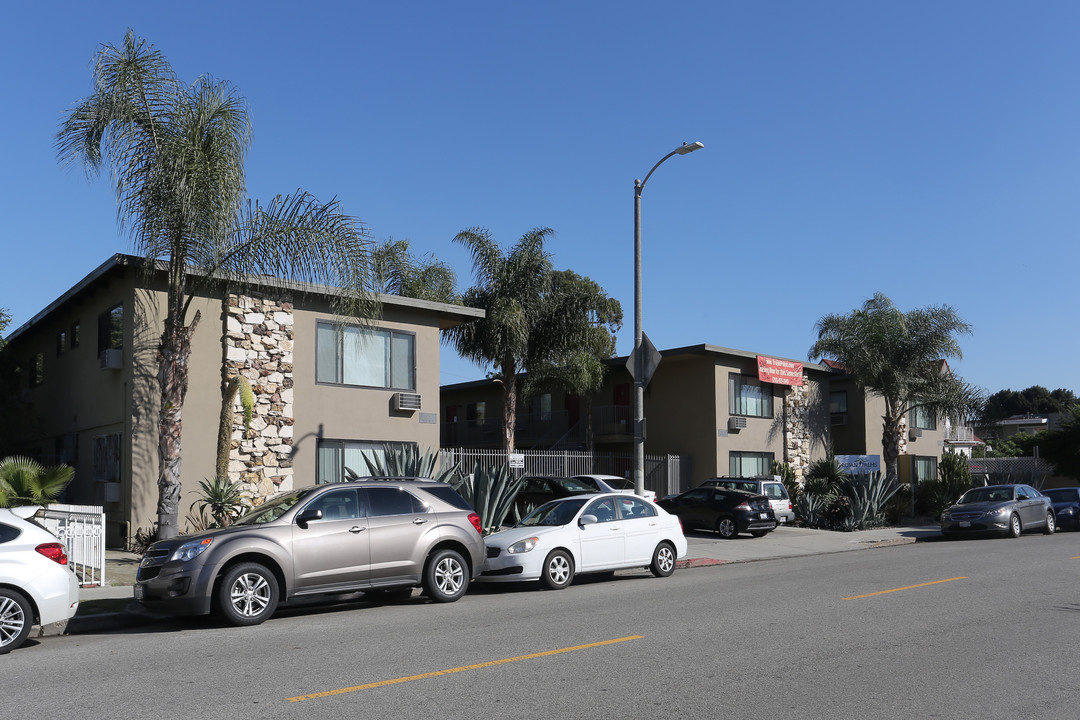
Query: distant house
column 326, row 394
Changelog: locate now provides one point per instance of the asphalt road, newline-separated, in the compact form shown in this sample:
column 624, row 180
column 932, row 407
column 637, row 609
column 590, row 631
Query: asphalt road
column 971, row 628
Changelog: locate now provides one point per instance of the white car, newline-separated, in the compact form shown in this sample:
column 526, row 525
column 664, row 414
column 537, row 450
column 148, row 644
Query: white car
column 582, row 534
column 613, row 483
column 37, row 587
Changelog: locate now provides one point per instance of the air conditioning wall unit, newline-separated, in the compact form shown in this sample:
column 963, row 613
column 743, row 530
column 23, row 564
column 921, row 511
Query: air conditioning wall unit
column 408, row 402
column 112, row 359
column 736, row 423
column 915, row 433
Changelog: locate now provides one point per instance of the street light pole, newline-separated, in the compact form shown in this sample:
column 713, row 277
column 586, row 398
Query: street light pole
column 639, row 356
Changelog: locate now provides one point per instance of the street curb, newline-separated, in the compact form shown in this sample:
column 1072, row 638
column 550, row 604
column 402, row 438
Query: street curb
column 698, row 562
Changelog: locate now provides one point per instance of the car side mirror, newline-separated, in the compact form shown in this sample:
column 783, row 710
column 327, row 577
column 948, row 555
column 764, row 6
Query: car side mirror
column 587, row 520
column 307, row 516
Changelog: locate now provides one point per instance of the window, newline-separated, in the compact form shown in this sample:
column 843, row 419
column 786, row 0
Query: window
column 631, row 507
column 603, row 509
column 925, row 469
column 368, row 358
column 923, row 418
column 334, row 456
column 111, row 329
column 61, row 342
column 476, row 414
column 748, row 396
column 107, row 457
column 37, row 370
column 542, row 406
column 838, row 407
column 383, row 501
column 749, row 464
column 337, row 505
column 75, row 327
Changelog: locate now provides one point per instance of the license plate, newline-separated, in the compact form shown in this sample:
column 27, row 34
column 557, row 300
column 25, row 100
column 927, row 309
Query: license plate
column 764, row 516
column 139, row 592
column 965, row 523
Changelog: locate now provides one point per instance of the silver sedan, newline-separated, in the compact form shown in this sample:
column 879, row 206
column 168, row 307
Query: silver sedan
column 1003, row 509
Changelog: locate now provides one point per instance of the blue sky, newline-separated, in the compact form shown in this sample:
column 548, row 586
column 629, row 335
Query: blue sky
column 927, row 150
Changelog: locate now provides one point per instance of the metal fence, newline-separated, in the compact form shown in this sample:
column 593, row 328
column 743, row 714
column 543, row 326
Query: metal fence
column 82, row 529
column 995, row 471
column 664, row 474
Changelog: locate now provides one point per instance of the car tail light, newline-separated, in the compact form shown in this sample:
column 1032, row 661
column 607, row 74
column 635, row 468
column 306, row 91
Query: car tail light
column 789, row 505
column 53, row 551
column 743, row 506
column 475, row 520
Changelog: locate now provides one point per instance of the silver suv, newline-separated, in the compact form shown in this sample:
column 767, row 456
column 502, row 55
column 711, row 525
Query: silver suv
column 771, row 487
column 372, row 535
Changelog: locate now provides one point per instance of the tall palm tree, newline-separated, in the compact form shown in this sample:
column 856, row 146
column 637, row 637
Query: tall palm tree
column 398, row 272
column 176, row 154
column 900, row 357
column 537, row 321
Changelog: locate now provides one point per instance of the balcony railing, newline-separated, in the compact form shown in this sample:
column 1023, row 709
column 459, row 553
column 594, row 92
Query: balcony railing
column 959, row 434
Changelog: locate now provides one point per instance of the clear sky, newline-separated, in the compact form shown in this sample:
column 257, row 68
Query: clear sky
column 927, row 150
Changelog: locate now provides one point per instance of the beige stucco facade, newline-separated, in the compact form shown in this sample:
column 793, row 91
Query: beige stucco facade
column 103, row 421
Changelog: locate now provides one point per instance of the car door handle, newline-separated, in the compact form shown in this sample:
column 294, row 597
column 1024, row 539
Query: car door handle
column 419, row 521
column 356, row 529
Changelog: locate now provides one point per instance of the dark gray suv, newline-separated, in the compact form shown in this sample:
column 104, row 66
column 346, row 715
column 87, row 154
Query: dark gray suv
column 372, row 535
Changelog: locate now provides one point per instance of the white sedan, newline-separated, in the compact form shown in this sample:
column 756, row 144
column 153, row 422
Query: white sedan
column 37, row 586
column 613, row 483
column 582, row 534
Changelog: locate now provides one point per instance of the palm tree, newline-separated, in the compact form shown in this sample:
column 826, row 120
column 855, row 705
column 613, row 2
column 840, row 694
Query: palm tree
column 175, row 154
column 537, row 320
column 902, row 358
column 25, row 481
column 398, row 272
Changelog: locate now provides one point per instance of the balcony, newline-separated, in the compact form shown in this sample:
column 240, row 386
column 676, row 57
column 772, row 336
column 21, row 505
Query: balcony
column 960, row 435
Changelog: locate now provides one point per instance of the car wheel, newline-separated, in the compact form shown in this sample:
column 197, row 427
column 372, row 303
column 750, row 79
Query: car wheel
column 1014, row 526
column 725, row 526
column 248, row 594
column 558, row 570
column 1051, row 526
column 16, row 617
column 446, row 576
column 663, row 560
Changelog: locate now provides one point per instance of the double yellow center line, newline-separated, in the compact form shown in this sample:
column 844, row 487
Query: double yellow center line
column 463, row 668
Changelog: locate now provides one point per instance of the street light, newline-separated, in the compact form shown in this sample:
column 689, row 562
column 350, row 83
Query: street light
column 639, row 356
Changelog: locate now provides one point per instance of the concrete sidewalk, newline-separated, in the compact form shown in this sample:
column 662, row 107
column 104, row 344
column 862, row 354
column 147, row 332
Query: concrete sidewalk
column 114, row 607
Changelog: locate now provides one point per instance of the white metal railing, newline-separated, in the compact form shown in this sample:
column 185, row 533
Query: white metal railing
column 959, row 434
column 82, row 529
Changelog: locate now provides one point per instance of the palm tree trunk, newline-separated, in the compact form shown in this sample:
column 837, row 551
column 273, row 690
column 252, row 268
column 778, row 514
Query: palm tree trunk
column 173, row 355
column 890, row 447
column 509, row 387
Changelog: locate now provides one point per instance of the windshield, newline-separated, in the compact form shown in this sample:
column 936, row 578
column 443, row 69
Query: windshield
column 986, row 494
column 553, row 513
column 1062, row 494
column 273, row 508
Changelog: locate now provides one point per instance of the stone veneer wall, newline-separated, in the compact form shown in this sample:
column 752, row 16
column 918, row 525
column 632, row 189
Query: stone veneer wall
column 259, row 346
column 796, row 429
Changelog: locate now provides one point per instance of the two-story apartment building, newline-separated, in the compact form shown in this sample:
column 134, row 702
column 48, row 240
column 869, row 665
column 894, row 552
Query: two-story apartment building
column 326, row 392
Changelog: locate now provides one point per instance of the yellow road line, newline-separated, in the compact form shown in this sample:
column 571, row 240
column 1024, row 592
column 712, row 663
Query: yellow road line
column 477, row 666
column 909, row 587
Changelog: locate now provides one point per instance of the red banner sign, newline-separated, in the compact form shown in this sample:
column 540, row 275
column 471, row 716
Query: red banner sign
column 779, row 372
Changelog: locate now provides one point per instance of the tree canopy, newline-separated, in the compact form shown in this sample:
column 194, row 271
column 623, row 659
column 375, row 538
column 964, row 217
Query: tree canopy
column 901, row 357
column 1035, row 400
column 554, row 326
column 175, row 154
column 398, row 272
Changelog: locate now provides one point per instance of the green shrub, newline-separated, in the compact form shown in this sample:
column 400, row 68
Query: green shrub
column 491, row 492
column 868, row 498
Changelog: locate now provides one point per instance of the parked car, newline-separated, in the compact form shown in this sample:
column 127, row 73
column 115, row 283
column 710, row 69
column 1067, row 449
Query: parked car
column 769, row 487
column 371, row 534
column 584, row 534
column 1066, row 502
column 539, row 489
column 1004, row 509
column 725, row 510
column 37, row 586
column 613, row 483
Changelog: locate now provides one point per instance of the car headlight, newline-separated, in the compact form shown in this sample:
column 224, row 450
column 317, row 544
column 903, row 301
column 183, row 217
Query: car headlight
column 1067, row 511
column 522, row 546
column 191, row 549
column 997, row 511
column 946, row 515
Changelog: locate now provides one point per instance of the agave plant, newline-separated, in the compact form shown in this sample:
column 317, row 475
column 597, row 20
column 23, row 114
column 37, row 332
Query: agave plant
column 868, row 498
column 224, row 499
column 812, row 510
column 408, row 461
column 491, row 492
column 25, row 481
